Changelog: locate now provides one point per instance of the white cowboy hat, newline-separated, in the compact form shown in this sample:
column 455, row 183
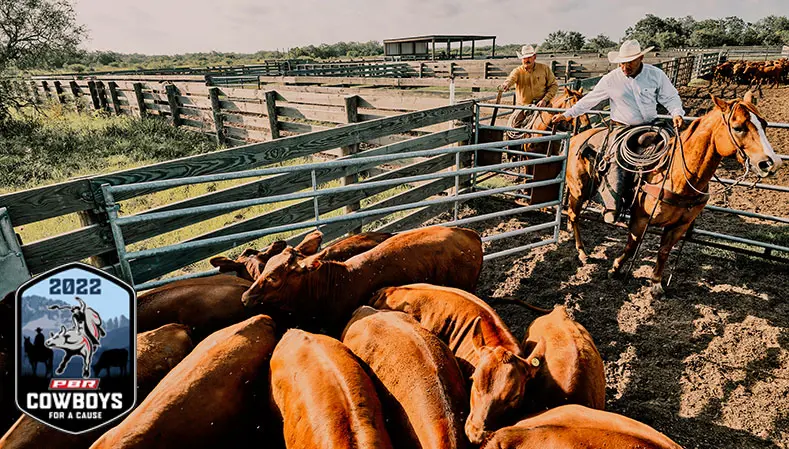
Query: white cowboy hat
column 629, row 51
column 527, row 51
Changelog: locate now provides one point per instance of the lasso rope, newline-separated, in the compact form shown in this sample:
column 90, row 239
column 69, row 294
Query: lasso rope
column 651, row 159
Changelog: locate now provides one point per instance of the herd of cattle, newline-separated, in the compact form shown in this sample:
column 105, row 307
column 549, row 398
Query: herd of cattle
column 376, row 341
column 752, row 73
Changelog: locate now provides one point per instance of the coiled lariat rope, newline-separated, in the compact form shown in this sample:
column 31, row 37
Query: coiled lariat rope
column 651, row 159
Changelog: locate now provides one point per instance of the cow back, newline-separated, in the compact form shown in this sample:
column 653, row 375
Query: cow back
column 574, row 426
column 450, row 314
column 157, row 352
column 323, row 396
column 208, row 399
column 436, row 255
column 573, row 371
column 204, row 304
column 418, row 379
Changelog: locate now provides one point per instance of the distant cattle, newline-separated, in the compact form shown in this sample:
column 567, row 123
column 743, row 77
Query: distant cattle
column 249, row 265
column 322, row 397
column 157, row 352
column 204, row 304
column 419, row 382
column 111, row 358
column 211, row 398
column 572, row 371
column 575, row 426
column 330, row 291
column 486, row 350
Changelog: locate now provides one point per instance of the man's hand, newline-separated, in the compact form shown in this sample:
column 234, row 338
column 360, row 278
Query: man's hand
column 558, row 118
column 504, row 87
column 678, row 121
column 542, row 103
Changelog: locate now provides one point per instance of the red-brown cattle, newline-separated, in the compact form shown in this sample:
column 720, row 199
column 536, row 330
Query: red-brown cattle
column 418, row 379
column 330, row 291
column 575, row 426
column 204, row 304
column 572, row 371
column 322, row 397
column 486, row 350
column 250, row 264
column 210, row 399
column 158, row 351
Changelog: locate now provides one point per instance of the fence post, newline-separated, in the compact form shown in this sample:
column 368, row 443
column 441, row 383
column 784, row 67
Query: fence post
column 102, row 93
column 76, row 93
column 173, row 102
column 351, row 116
column 140, row 99
column 114, row 96
column 94, row 95
column 554, row 66
column 59, row 93
column 451, row 69
column 567, row 69
column 421, row 68
column 485, row 70
column 219, row 120
column 45, row 86
column 36, row 96
column 271, row 107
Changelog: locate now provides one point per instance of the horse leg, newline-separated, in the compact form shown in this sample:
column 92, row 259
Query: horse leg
column 637, row 225
column 573, row 216
column 668, row 239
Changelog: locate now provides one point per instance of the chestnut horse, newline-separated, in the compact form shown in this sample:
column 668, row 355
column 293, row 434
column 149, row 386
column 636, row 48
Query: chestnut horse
column 674, row 195
column 541, row 121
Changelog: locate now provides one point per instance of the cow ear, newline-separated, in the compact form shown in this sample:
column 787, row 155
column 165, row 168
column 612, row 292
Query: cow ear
column 63, row 329
column 749, row 98
column 277, row 247
column 477, row 338
column 249, row 252
column 225, row 265
column 51, row 334
column 311, row 243
column 537, row 356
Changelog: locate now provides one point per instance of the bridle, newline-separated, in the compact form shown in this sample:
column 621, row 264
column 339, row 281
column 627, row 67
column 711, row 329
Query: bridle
column 740, row 152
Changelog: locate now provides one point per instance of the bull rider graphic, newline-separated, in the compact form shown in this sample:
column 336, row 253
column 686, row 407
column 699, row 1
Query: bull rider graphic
column 82, row 339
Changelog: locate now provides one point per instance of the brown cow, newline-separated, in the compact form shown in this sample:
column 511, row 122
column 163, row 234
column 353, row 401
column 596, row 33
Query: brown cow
column 330, row 291
column 204, row 304
column 486, row 350
column 322, row 395
column 572, row 371
column 250, row 264
column 158, row 351
column 418, row 379
column 209, row 398
column 575, row 426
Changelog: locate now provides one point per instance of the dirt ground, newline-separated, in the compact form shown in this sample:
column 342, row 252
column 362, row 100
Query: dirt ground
column 708, row 364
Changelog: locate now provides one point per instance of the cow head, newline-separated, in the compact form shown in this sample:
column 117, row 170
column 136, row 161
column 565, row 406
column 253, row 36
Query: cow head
column 281, row 279
column 249, row 265
column 498, row 384
column 64, row 339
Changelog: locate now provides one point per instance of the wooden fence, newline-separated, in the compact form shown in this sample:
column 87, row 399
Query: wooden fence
column 236, row 116
column 95, row 237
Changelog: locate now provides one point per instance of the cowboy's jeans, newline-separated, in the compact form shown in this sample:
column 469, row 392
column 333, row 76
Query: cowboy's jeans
column 615, row 182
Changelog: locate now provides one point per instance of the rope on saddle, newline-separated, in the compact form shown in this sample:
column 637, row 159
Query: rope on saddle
column 642, row 160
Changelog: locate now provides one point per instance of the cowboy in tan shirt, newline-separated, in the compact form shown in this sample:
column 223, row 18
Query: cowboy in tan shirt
column 534, row 83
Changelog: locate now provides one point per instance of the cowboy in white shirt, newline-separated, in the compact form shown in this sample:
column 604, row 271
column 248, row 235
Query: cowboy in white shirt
column 633, row 90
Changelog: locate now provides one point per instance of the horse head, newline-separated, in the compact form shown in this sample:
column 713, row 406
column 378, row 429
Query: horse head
column 743, row 135
column 566, row 100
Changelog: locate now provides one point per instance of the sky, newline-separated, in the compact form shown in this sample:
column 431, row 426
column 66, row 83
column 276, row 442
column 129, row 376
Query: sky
column 246, row 26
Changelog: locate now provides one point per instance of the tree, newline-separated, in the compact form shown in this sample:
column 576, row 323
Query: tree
column 600, row 42
column 655, row 31
column 34, row 33
column 773, row 30
column 563, row 40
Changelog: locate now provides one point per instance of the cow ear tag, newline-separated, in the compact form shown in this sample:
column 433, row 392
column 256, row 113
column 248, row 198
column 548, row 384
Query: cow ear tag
column 535, row 362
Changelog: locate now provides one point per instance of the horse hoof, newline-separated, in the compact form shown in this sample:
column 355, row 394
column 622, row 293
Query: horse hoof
column 613, row 273
column 657, row 290
column 583, row 257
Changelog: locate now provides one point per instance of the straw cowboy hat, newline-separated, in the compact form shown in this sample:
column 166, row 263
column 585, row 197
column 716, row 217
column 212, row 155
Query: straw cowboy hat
column 629, row 51
column 527, row 51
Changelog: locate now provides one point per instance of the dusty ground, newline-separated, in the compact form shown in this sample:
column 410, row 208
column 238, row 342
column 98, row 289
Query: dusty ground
column 709, row 363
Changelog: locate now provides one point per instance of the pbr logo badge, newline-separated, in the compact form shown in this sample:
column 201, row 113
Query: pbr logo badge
column 76, row 348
